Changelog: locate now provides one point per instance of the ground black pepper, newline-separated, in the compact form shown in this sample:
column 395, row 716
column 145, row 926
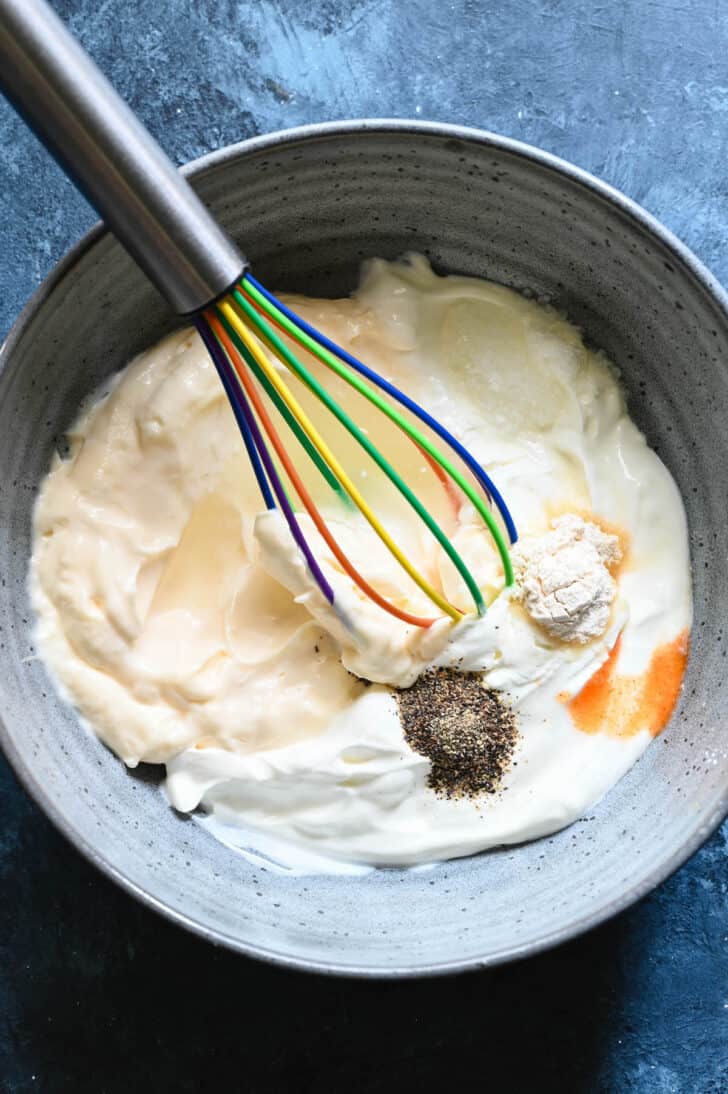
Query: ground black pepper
column 467, row 731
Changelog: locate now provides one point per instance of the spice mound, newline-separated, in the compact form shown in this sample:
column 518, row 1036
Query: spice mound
column 467, row 731
column 565, row 579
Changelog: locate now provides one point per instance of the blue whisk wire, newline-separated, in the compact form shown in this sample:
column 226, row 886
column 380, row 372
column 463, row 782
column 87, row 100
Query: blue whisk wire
column 480, row 474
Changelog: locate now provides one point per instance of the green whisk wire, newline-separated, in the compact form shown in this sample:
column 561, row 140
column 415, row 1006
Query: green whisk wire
column 259, row 325
column 376, row 399
column 285, row 413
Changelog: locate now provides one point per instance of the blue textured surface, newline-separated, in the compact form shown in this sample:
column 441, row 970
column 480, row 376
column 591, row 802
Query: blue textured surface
column 98, row 994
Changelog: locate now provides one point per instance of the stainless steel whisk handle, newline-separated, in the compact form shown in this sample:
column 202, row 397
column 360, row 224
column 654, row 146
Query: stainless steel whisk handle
column 115, row 161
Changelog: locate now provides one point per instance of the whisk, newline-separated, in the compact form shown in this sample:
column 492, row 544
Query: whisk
column 158, row 218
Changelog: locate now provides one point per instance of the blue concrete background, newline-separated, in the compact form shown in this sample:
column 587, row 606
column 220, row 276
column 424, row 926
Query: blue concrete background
column 97, row 993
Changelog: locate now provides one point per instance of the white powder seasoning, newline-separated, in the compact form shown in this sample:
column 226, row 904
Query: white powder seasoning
column 564, row 578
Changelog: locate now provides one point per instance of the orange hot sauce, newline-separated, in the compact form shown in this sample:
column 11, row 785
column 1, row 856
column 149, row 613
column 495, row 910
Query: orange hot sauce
column 623, row 705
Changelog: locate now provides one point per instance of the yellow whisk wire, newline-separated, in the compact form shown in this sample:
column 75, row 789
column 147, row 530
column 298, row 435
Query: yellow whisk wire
column 251, row 343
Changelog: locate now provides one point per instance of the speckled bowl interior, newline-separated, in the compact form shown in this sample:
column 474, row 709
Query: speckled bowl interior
column 308, row 206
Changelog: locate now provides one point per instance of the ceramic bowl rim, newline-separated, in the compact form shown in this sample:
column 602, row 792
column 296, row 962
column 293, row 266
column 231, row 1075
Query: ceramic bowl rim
column 705, row 824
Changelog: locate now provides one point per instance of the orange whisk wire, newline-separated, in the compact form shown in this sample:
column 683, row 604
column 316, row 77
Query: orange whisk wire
column 295, row 479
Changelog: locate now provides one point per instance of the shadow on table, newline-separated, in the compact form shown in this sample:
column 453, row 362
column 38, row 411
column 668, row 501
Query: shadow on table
column 101, row 995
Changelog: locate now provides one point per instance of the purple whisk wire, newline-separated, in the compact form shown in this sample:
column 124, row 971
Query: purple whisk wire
column 258, row 451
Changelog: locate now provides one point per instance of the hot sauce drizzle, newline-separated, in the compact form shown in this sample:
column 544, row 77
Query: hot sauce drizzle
column 624, row 705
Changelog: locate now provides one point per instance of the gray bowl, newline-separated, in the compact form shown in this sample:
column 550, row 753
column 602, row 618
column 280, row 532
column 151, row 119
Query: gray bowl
column 308, row 205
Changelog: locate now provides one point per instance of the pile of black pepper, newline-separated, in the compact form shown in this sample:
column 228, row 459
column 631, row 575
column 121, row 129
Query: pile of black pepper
column 468, row 732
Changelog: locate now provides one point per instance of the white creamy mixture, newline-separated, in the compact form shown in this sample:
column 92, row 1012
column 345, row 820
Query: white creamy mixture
column 165, row 606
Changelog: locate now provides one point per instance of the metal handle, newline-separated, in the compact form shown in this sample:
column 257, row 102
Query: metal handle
column 122, row 170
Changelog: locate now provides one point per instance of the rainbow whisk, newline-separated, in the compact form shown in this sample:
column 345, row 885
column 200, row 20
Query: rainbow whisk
column 235, row 330
column 165, row 227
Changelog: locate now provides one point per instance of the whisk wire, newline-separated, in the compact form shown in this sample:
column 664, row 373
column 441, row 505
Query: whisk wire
column 226, row 309
column 251, row 433
column 239, row 362
column 235, row 330
column 228, row 381
column 305, row 334
column 415, row 434
column 283, row 353
column 286, row 414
